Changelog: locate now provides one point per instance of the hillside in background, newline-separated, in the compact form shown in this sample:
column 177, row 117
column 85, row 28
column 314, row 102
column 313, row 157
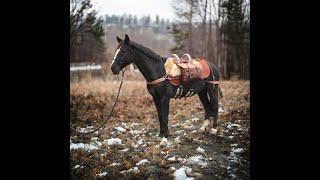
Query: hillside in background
column 154, row 34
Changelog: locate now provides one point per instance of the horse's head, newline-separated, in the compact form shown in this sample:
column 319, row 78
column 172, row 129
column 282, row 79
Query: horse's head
column 123, row 55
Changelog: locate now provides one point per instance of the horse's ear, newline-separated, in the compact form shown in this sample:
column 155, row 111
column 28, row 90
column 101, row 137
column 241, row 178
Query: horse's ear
column 118, row 39
column 126, row 39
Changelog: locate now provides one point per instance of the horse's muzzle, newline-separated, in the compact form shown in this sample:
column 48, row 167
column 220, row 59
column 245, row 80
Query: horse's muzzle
column 115, row 69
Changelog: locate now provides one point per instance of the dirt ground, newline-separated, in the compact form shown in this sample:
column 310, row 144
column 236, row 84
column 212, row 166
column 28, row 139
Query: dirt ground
column 128, row 148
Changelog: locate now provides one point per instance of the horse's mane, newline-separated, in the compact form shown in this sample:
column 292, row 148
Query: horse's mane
column 146, row 51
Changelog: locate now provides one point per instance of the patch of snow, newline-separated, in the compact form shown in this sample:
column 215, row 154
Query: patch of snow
column 236, row 125
column 140, row 141
column 231, row 137
column 78, row 166
column 87, row 67
column 194, row 119
column 124, row 150
column 181, row 174
column 210, row 159
column 94, row 138
column 200, row 150
column 180, row 159
column 113, row 141
column 178, row 132
column 234, row 145
column 194, row 131
column 237, row 150
column 134, row 124
column 221, row 110
column 142, row 162
column 177, row 140
column 102, row 174
column 115, row 164
column 135, row 132
column 134, row 169
column 175, row 125
column 120, row 129
column 172, row 158
column 135, row 146
column 199, row 159
column 86, row 147
column 173, row 168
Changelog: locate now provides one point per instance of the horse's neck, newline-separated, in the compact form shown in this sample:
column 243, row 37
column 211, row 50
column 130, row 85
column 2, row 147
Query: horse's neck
column 151, row 69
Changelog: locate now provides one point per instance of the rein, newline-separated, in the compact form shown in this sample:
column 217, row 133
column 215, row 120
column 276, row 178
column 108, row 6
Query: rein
column 105, row 121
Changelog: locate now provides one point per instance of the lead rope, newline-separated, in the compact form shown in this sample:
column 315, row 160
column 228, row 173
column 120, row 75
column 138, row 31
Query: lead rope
column 105, row 121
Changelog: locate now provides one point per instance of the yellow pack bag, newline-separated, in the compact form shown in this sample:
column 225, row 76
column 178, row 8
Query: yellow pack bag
column 170, row 66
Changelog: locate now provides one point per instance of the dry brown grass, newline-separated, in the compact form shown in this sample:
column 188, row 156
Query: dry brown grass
column 91, row 98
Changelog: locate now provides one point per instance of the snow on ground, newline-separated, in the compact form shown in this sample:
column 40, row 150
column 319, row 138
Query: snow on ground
column 102, row 174
column 124, row 150
column 237, row 150
column 200, row 150
column 181, row 174
column 142, row 162
column 115, row 164
column 134, row 169
column 198, row 159
column 135, row 132
column 78, row 166
column 86, row 147
column 177, row 140
column 83, row 68
column 113, row 141
column 195, row 119
column 172, row 158
column 120, row 129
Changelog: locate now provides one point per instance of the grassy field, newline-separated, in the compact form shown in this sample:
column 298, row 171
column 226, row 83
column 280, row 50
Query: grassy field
column 135, row 123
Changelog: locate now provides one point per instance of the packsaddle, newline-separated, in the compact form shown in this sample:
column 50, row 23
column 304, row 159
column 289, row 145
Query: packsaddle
column 185, row 68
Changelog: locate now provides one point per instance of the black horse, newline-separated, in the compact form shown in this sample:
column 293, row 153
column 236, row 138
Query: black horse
column 151, row 66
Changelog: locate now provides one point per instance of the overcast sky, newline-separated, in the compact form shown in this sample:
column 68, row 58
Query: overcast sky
column 162, row 8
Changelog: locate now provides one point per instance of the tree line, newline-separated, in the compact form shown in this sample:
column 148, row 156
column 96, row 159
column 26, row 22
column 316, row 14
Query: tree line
column 218, row 30
column 86, row 33
column 129, row 19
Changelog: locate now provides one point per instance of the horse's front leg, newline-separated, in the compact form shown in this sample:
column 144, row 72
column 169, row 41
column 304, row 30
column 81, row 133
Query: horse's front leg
column 165, row 113
column 214, row 104
column 157, row 102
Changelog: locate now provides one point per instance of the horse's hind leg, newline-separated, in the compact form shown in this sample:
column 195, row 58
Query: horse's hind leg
column 203, row 96
column 214, row 103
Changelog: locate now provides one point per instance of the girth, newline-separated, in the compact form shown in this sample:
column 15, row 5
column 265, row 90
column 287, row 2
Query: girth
column 168, row 78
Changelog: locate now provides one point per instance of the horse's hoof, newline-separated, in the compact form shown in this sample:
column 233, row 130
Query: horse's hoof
column 202, row 129
column 213, row 131
column 163, row 142
column 206, row 123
